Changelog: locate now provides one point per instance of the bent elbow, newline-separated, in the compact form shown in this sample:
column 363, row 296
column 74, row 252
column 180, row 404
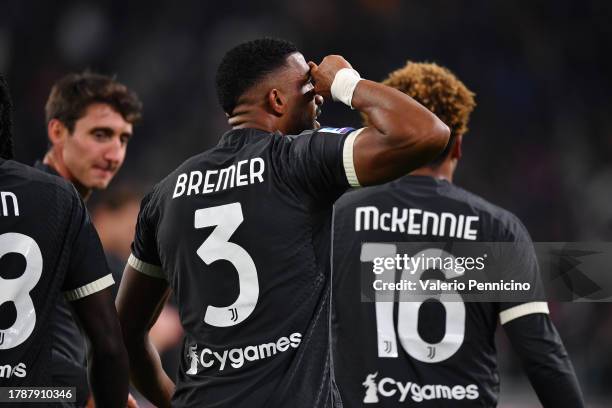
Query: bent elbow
column 439, row 136
column 430, row 140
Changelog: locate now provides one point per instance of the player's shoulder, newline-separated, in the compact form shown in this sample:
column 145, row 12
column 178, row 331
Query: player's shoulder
column 195, row 162
column 37, row 179
column 499, row 218
column 362, row 195
column 499, row 222
column 323, row 131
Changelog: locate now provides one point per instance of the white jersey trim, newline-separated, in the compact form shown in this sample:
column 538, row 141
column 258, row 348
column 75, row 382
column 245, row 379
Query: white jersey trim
column 522, row 310
column 347, row 158
column 148, row 269
column 89, row 289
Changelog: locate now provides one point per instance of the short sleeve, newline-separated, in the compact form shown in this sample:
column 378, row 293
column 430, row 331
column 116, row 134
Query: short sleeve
column 322, row 161
column 145, row 257
column 88, row 271
column 522, row 266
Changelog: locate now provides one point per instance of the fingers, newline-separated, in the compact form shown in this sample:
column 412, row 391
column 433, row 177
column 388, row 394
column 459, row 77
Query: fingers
column 313, row 68
column 131, row 402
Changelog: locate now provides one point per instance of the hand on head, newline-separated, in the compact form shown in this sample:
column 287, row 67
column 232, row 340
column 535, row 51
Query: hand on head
column 323, row 74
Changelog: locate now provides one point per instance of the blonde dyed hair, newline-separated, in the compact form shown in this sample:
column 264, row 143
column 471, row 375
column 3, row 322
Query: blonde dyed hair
column 439, row 90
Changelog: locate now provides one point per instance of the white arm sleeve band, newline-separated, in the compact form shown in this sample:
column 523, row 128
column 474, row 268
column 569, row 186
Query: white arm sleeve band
column 148, row 269
column 522, row 310
column 347, row 158
column 89, row 289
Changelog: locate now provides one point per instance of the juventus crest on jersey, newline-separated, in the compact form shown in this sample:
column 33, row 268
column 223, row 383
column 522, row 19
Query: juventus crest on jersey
column 436, row 352
column 241, row 234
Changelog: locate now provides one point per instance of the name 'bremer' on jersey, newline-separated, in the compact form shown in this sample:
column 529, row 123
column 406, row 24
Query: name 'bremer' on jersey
column 236, row 175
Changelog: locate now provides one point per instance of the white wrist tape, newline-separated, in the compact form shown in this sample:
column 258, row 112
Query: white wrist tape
column 344, row 85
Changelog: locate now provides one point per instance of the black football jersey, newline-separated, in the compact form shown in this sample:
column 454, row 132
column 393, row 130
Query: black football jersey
column 241, row 234
column 69, row 368
column 48, row 249
column 430, row 352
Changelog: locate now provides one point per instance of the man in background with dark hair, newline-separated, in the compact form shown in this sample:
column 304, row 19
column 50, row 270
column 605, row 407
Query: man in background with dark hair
column 442, row 359
column 240, row 233
column 90, row 120
column 48, row 249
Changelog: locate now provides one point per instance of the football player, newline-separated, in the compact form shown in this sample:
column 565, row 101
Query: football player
column 90, row 119
column 434, row 353
column 240, row 233
column 49, row 250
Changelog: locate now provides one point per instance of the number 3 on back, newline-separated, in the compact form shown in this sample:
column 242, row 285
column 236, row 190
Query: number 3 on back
column 227, row 218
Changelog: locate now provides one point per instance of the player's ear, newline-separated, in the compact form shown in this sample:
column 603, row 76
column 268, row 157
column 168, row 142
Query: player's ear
column 456, row 150
column 56, row 131
column 277, row 102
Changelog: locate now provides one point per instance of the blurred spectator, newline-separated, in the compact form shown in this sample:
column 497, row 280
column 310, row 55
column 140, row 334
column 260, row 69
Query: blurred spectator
column 114, row 215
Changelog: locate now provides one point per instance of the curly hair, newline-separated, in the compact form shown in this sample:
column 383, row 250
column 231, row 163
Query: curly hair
column 6, row 122
column 71, row 95
column 247, row 63
column 439, row 90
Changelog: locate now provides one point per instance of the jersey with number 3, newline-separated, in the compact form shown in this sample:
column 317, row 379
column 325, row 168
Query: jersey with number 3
column 241, row 234
column 432, row 352
column 48, row 248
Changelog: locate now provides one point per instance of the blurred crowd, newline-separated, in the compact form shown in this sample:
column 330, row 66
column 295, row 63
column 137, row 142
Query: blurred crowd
column 540, row 140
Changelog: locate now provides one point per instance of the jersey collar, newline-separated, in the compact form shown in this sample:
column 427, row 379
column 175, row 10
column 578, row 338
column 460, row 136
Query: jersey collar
column 242, row 136
column 39, row 165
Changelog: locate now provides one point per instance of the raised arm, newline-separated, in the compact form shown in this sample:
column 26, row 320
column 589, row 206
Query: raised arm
column 108, row 361
column 403, row 134
column 139, row 301
column 545, row 360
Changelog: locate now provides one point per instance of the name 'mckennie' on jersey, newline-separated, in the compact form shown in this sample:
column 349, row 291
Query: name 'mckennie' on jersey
column 416, row 221
column 429, row 352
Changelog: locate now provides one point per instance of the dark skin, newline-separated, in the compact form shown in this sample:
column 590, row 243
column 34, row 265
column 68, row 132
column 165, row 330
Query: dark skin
column 108, row 360
column 404, row 136
column 146, row 372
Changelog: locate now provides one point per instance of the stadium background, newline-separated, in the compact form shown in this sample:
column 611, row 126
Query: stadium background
column 540, row 140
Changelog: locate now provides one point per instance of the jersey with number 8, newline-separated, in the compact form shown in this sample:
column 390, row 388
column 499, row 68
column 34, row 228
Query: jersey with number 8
column 18, row 290
column 48, row 249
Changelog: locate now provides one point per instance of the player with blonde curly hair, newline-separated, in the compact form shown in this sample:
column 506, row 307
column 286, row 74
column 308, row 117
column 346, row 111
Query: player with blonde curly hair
column 440, row 352
column 440, row 91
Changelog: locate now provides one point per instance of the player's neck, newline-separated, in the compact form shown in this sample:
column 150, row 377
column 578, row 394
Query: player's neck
column 55, row 161
column 444, row 171
column 253, row 117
